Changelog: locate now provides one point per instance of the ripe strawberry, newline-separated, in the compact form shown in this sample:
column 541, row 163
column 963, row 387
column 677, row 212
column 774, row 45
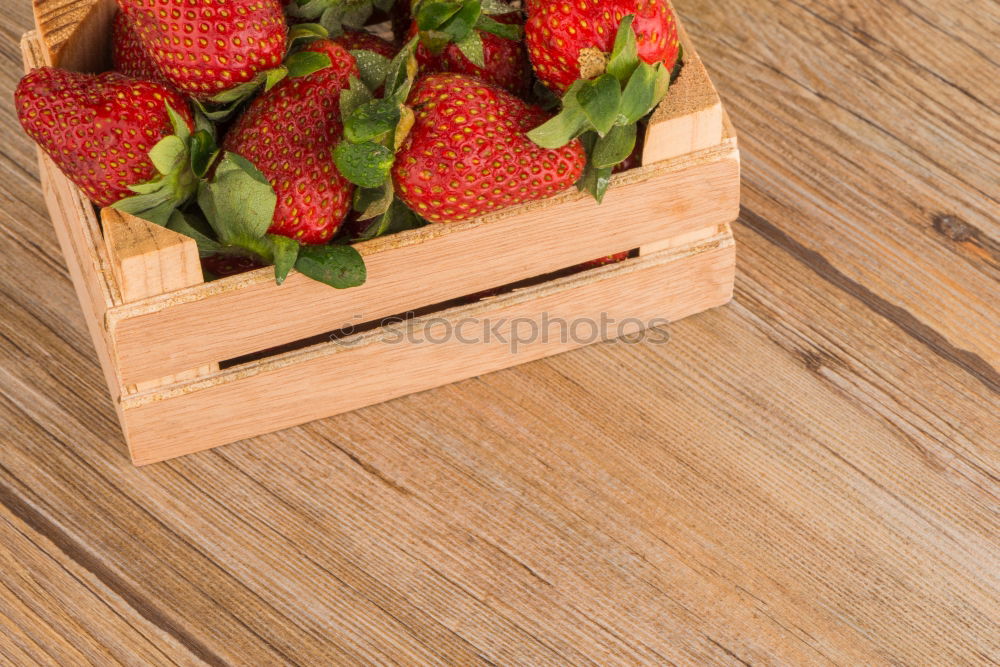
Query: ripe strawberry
column 359, row 40
column 603, row 261
column 208, row 48
column 99, row 129
column 287, row 133
column 468, row 154
column 505, row 61
column 568, row 41
column 128, row 54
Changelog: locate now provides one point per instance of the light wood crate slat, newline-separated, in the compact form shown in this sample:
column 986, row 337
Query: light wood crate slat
column 268, row 395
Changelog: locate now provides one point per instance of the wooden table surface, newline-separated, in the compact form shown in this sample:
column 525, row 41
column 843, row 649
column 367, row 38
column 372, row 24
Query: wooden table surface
column 807, row 476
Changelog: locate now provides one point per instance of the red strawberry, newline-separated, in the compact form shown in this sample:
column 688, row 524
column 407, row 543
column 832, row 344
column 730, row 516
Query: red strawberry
column 468, row 154
column 603, row 261
column 505, row 60
column 288, row 133
column 566, row 38
column 359, row 40
column 98, row 129
column 128, row 55
column 207, row 48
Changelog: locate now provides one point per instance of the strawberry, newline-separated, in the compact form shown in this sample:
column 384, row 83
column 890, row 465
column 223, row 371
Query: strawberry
column 612, row 62
column 359, row 40
column 503, row 61
column 207, row 49
column 113, row 136
column 287, row 134
column 603, row 261
column 128, row 54
column 568, row 41
column 467, row 153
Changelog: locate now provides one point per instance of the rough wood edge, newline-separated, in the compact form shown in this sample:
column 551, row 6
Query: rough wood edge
column 148, row 260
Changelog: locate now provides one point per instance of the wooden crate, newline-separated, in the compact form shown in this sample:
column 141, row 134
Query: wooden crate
column 188, row 363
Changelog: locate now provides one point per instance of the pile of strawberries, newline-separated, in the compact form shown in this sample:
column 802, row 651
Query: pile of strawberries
column 276, row 132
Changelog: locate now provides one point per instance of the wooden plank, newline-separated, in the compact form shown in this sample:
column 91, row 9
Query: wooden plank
column 150, row 260
column 346, row 375
column 70, row 29
column 74, row 222
column 157, row 337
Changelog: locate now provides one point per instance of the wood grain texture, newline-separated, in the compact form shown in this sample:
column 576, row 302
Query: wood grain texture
column 807, row 476
column 425, row 353
column 149, row 260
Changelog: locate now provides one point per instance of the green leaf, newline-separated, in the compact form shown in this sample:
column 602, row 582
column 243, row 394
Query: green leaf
column 366, row 165
column 273, row 77
column 433, row 14
column 354, row 97
column 239, row 93
column 156, row 207
column 285, row 252
column 193, row 226
column 168, row 153
column 464, row 21
column 372, row 121
column 374, row 68
column 203, row 152
column 356, row 17
column 303, row 33
column 596, row 182
column 305, row 63
column 402, row 72
column 397, row 218
column 638, row 97
column 179, row 124
column 511, row 31
column 373, row 202
column 611, row 150
column 239, row 202
column 625, row 54
column 561, row 129
column 601, row 100
column 338, row 266
column 472, row 48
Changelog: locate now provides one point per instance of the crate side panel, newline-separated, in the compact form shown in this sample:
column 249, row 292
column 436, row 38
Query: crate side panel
column 260, row 316
column 353, row 378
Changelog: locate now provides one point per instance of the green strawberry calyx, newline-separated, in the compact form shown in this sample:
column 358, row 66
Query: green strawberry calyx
column 297, row 63
column 181, row 159
column 462, row 22
column 337, row 16
column 374, row 130
column 604, row 107
column 235, row 211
